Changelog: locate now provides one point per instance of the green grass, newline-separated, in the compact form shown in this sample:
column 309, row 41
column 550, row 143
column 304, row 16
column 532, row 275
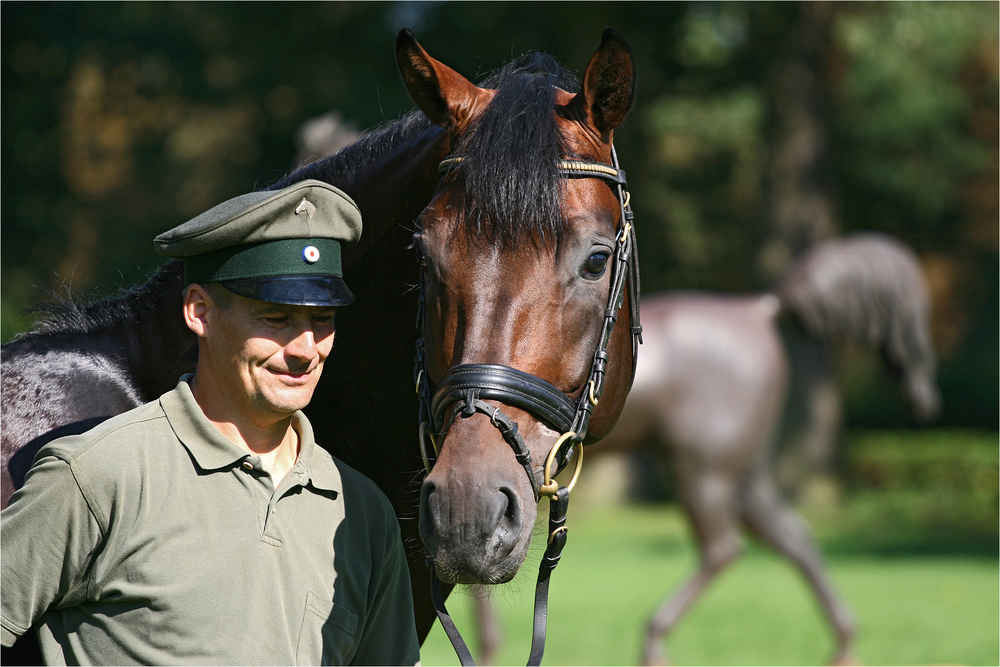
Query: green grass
column 620, row 562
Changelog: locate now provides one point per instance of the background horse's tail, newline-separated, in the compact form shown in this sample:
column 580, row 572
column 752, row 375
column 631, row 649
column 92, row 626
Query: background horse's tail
column 870, row 290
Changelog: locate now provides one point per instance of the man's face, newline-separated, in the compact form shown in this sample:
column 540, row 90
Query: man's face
column 266, row 358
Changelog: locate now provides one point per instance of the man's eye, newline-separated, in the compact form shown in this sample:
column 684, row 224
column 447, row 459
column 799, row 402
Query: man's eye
column 596, row 264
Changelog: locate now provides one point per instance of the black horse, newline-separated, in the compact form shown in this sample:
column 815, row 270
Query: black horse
column 100, row 360
column 83, row 364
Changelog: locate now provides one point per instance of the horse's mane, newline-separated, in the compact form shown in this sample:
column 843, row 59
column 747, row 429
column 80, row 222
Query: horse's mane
column 63, row 315
column 867, row 289
column 512, row 188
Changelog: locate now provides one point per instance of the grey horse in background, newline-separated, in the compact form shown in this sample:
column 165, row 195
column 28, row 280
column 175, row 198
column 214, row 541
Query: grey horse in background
column 711, row 388
column 711, row 391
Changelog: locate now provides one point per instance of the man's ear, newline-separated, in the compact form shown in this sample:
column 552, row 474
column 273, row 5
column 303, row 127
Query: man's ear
column 197, row 303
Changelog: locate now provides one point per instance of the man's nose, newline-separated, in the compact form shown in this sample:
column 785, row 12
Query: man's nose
column 303, row 344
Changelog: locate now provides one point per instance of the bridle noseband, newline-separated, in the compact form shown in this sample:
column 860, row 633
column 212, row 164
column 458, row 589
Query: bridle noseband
column 466, row 387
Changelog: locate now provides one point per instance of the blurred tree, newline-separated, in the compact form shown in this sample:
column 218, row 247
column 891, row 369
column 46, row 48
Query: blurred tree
column 799, row 198
column 916, row 156
column 122, row 119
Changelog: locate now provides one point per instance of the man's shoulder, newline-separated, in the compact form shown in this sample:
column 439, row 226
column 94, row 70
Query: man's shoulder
column 356, row 484
column 351, row 478
column 105, row 462
column 102, row 442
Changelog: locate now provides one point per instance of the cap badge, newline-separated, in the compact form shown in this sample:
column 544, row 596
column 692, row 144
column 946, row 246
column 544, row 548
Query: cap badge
column 310, row 254
column 308, row 207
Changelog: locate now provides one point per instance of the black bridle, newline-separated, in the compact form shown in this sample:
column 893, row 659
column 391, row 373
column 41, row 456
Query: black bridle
column 466, row 387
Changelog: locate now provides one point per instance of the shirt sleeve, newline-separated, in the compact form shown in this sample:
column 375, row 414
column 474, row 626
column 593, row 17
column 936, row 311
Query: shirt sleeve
column 49, row 535
column 390, row 635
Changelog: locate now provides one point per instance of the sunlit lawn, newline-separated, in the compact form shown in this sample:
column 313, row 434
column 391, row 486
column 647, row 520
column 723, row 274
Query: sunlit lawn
column 619, row 563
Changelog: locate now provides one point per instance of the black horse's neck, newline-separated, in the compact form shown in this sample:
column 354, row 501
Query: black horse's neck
column 391, row 174
column 160, row 333
column 145, row 323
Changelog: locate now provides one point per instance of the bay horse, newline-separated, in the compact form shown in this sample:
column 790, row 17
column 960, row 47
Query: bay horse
column 515, row 252
column 710, row 393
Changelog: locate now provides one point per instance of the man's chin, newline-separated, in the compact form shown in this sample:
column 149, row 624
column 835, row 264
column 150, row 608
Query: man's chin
column 290, row 399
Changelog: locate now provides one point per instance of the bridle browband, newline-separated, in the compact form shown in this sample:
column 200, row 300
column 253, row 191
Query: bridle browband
column 466, row 387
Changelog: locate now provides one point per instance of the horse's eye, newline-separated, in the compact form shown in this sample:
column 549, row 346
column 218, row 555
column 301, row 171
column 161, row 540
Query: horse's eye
column 596, row 264
column 419, row 251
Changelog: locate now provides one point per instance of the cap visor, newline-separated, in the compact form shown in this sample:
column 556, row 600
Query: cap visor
column 325, row 290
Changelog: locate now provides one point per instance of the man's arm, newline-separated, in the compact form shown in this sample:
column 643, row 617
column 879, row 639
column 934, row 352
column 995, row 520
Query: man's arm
column 390, row 633
column 49, row 535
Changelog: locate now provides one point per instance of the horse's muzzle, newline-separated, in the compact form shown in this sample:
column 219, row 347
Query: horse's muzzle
column 476, row 516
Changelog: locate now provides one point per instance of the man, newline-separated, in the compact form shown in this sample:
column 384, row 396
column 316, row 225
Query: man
column 208, row 527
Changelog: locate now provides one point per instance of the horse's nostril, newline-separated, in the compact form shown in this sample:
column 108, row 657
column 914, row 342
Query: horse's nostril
column 427, row 504
column 428, row 516
column 512, row 513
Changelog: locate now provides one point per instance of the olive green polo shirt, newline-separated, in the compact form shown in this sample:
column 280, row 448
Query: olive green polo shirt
column 153, row 539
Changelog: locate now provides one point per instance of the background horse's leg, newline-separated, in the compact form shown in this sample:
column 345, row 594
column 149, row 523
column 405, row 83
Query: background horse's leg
column 488, row 624
column 806, row 467
column 709, row 498
column 766, row 514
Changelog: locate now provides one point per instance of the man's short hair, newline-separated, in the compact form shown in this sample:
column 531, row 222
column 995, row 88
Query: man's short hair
column 220, row 296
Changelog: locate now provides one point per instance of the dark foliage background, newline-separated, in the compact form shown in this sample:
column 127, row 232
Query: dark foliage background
column 121, row 120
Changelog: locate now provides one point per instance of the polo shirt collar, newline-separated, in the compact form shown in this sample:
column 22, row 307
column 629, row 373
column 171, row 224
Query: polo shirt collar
column 319, row 467
column 213, row 451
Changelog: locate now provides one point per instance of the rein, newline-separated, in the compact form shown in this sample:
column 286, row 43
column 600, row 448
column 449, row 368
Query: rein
column 465, row 387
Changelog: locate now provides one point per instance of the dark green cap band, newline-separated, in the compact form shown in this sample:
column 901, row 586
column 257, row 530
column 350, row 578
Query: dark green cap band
column 285, row 257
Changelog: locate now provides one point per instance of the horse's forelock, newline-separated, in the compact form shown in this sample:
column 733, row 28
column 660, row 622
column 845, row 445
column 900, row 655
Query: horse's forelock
column 512, row 191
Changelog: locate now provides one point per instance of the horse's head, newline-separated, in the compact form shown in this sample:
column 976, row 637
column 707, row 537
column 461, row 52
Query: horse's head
column 519, row 252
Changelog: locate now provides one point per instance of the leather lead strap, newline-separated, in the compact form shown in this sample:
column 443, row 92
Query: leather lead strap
column 464, row 655
column 558, row 505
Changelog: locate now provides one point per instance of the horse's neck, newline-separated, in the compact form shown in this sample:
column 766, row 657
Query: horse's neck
column 393, row 195
column 159, row 346
column 364, row 409
column 390, row 189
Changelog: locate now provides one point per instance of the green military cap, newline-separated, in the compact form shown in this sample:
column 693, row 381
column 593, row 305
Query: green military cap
column 281, row 246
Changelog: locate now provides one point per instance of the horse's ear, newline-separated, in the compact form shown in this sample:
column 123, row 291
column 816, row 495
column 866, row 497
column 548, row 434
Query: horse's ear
column 444, row 95
column 608, row 84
